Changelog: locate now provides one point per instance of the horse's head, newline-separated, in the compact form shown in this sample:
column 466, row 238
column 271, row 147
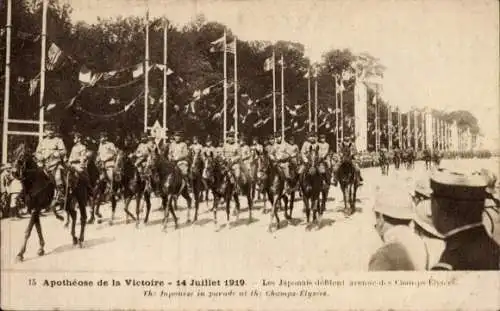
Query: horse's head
column 208, row 168
column 22, row 161
column 262, row 168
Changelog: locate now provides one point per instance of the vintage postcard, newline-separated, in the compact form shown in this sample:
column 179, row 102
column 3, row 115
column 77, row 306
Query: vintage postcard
column 249, row 155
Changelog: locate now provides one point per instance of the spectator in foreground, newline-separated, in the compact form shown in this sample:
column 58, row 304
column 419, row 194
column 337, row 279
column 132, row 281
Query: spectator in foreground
column 458, row 203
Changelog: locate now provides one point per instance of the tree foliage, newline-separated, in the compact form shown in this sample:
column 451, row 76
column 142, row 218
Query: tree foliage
column 112, row 44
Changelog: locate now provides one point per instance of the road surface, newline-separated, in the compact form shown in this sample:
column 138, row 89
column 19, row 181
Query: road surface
column 238, row 248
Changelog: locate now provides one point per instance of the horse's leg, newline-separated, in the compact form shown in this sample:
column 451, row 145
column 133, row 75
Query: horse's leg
column 228, row 206
column 250, row 204
column 34, row 216
column 276, row 206
column 187, row 197
column 147, row 199
column 236, row 211
column 271, row 214
column 215, row 206
column 346, row 198
column 126, row 203
column 82, row 204
column 172, row 200
column 113, row 208
column 38, row 228
column 72, row 211
column 285, row 201
column 166, row 211
column 292, row 199
column 138, row 197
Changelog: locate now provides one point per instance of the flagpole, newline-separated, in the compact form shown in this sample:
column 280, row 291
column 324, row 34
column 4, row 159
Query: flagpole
column 224, row 131
column 415, row 127
column 235, row 89
column 146, row 74
column 7, row 83
column 282, row 99
column 274, row 93
column 342, row 114
column 42, row 69
column 376, row 123
column 400, row 129
column 165, row 71
column 337, row 143
column 316, row 101
column 389, row 127
column 309, row 97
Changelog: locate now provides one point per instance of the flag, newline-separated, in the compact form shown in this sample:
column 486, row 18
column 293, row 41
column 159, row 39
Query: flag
column 197, row 94
column 218, row 45
column 308, row 74
column 85, row 75
column 54, row 56
column 231, row 47
column 206, row 91
column 269, row 64
column 162, row 68
column 139, row 70
column 95, row 78
column 33, row 85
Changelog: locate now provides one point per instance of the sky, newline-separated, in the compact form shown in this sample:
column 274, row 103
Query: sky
column 438, row 53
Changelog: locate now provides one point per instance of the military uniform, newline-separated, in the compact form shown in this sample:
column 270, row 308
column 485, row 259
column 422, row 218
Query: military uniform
column 196, row 148
column 459, row 198
column 78, row 157
column 231, row 153
column 179, row 153
column 106, row 157
column 282, row 157
column 50, row 152
column 209, row 151
column 323, row 153
column 142, row 154
column 306, row 153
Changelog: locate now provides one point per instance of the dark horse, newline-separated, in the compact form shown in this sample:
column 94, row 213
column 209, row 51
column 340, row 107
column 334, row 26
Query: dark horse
column 436, row 158
column 397, row 158
column 168, row 182
column 349, row 183
column 427, row 159
column 272, row 183
column 128, row 182
column 39, row 192
column 310, row 185
column 197, row 184
column 220, row 181
column 384, row 163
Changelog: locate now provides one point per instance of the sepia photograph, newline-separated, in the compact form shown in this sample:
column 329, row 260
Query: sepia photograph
column 249, row 154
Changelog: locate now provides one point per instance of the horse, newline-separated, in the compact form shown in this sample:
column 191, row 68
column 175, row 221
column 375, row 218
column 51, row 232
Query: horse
column 349, row 183
column 272, row 183
column 427, row 159
column 39, row 191
column 78, row 192
column 168, row 180
column 246, row 185
column 384, row 163
column 397, row 159
column 436, row 158
column 310, row 185
column 197, row 184
column 220, row 181
column 127, row 183
column 325, row 172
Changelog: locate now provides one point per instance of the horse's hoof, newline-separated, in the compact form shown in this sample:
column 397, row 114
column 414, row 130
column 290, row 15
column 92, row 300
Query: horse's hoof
column 270, row 228
column 188, row 221
column 40, row 252
column 99, row 215
column 19, row 258
column 99, row 221
column 110, row 222
column 91, row 221
column 80, row 244
column 66, row 225
column 75, row 241
column 137, row 224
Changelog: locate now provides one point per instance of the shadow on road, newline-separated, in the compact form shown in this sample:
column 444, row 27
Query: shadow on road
column 87, row 244
column 242, row 221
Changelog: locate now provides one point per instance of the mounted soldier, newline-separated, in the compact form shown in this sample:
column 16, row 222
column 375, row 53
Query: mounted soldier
column 179, row 154
column 195, row 148
column 209, row 150
column 268, row 147
column 78, row 157
column 347, row 153
column 282, row 157
column 11, row 191
column 323, row 154
column 256, row 147
column 231, row 155
column 306, row 151
column 50, row 154
column 246, row 152
column 106, row 159
column 142, row 157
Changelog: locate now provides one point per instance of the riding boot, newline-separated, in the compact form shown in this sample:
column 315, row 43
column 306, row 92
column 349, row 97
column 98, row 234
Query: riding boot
column 60, row 196
column 188, row 184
